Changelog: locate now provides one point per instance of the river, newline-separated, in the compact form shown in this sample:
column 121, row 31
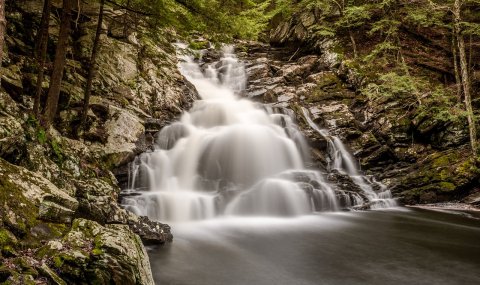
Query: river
column 375, row 247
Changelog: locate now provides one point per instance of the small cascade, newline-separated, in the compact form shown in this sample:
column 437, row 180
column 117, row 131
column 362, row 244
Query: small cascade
column 341, row 160
column 229, row 156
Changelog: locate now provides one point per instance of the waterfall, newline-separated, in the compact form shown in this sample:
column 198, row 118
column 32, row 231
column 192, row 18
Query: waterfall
column 344, row 162
column 230, row 156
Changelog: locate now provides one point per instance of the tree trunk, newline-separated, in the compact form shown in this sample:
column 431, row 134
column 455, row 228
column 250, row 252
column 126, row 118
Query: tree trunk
column 465, row 78
column 92, row 67
column 41, row 54
column 3, row 24
column 58, row 64
column 458, row 82
column 354, row 45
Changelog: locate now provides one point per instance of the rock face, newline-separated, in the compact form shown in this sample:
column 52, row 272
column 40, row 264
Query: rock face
column 421, row 159
column 60, row 222
column 100, row 254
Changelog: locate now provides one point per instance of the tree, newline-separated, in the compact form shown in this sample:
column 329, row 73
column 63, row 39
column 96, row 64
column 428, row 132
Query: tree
column 457, row 20
column 3, row 24
column 92, row 67
column 41, row 54
column 58, row 64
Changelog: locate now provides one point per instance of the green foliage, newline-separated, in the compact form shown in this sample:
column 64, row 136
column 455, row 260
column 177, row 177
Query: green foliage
column 355, row 16
column 41, row 136
column 392, row 85
column 381, row 49
column 427, row 98
column 57, row 150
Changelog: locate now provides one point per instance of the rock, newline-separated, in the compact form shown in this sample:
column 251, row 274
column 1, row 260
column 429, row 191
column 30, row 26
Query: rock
column 438, row 177
column 110, row 254
column 51, row 275
column 344, row 182
column 12, row 81
column 26, row 198
column 8, row 105
column 123, row 130
column 258, row 71
column 53, row 212
column 12, row 138
column 334, row 115
column 149, row 231
column 98, row 201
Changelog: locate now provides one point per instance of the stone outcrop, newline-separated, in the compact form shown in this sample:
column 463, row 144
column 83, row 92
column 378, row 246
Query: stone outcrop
column 60, row 219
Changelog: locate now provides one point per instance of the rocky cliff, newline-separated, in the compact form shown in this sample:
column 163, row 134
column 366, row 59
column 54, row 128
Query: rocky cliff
column 421, row 158
column 59, row 218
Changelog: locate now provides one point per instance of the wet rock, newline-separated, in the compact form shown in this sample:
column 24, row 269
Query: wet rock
column 149, row 231
column 473, row 198
column 344, row 182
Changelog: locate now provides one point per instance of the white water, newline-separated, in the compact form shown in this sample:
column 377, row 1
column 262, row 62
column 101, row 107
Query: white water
column 342, row 161
column 229, row 156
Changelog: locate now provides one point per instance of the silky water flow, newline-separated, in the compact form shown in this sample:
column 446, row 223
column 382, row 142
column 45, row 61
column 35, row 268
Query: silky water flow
column 228, row 156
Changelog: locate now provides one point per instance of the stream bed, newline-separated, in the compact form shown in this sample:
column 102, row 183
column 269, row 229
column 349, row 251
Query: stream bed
column 397, row 246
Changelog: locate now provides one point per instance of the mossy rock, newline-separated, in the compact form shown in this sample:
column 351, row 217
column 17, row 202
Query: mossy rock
column 441, row 176
column 103, row 255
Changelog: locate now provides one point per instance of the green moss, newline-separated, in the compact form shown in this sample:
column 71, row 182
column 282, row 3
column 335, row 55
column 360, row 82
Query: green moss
column 97, row 251
column 197, row 45
column 6, row 237
column 446, row 186
column 57, row 261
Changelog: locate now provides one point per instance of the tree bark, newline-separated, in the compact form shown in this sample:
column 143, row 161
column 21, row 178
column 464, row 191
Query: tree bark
column 354, row 45
column 41, row 54
column 3, row 24
column 465, row 78
column 58, row 64
column 92, row 67
column 458, row 82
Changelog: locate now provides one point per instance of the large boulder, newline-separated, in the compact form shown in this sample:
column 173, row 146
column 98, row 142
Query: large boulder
column 110, row 254
column 122, row 131
column 98, row 201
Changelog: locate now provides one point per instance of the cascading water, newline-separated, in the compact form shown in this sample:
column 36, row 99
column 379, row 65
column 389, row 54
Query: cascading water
column 230, row 156
column 342, row 161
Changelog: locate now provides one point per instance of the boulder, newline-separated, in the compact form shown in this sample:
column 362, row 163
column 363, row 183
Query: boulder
column 122, row 131
column 98, row 201
column 12, row 138
column 149, row 231
column 110, row 254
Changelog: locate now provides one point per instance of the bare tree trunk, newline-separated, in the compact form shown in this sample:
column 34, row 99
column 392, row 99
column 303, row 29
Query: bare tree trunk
column 458, row 82
column 41, row 53
column 58, row 64
column 470, row 54
column 354, row 44
column 465, row 78
column 3, row 24
column 92, row 67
